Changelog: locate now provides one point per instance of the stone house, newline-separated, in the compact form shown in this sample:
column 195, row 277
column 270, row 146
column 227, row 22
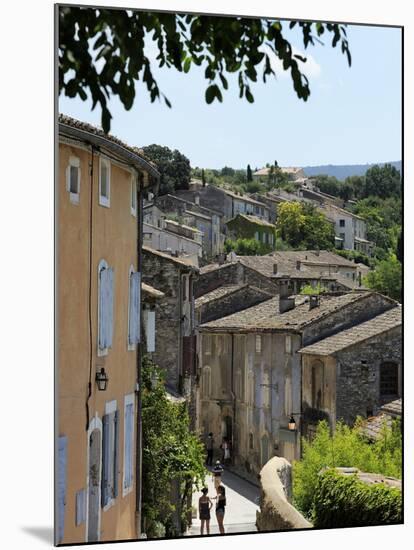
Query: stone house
column 387, row 414
column 207, row 221
column 99, row 193
column 251, row 227
column 150, row 310
column 353, row 372
column 250, row 370
column 293, row 172
column 175, row 335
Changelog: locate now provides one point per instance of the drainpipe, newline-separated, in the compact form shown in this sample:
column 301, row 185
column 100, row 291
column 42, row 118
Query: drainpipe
column 138, row 472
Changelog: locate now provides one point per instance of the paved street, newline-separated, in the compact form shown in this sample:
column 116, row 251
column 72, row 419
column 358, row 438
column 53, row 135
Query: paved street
column 242, row 503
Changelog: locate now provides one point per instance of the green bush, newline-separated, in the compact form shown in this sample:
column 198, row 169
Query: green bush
column 347, row 447
column 346, row 501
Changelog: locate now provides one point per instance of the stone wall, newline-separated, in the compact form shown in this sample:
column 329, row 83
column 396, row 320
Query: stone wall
column 232, row 274
column 243, row 298
column 358, row 390
column 352, row 314
column 276, row 512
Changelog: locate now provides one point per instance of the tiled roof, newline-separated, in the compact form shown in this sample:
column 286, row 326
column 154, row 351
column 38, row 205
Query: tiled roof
column 286, row 267
column 373, row 425
column 314, row 256
column 252, row 219
column 180, row 261
column 225, row 291
column 151, row 291
column 346, row 338
column 265, row 317
column 245, row 198
column 86, row 128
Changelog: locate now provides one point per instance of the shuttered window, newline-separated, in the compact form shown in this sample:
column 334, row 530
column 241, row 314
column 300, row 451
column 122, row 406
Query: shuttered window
column 80, row 507
column 104, row 182
column 106, row 307
column 128, row 444
column 61, row 489
column 134, row 328
column 110, row 458
column 73, row 179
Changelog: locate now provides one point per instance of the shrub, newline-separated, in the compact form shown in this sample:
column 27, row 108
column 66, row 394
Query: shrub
column 346, row 501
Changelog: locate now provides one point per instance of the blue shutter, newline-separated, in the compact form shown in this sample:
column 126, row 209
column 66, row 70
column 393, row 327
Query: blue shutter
column 80, row 507
column 109, row 306
column 116, row 453
column 135, row 308
column 62, row 460
column 105, row 461
column 129, row 419
column 102, row 305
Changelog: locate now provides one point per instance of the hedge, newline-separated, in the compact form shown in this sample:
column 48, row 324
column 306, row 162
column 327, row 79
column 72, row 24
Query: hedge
column 346, row 501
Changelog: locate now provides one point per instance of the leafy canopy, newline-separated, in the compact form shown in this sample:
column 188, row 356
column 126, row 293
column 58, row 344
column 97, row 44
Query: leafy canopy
column 220, row 45
column 173, row 166
column 170, row 451
column 387, row 278
column 347, row 447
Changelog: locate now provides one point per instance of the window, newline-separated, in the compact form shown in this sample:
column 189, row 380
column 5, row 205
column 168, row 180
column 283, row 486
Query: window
column 73, row 179
column 271, row 238
column 105, row 307
column 134, row 311
column 207, row 344
column 258, row 343
column 251, row 441
column 264, row 237
column 288, row 344
column 133, row 196
column 110, row 455
column 341, row 223
column 388, row 380
column 206, row 382
column 184, row 288
column 128, row 477
column 256, row 236
column 104, row 182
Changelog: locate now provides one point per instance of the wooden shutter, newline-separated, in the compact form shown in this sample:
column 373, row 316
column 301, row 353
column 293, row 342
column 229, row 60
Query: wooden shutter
column 102, row 306
column 150, row 331
column 105, row 460
column 134, row 308
column 110, row 306
column 116, row 453
column 129, row 439
column 62, row 461
column 80, row 507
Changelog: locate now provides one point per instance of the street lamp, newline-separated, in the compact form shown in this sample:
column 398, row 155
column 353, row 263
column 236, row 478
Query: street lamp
column 102, row 379
column 292, row 422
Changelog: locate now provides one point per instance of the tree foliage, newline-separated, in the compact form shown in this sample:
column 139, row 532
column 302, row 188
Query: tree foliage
column 246, row 247
column 386, row 278
column 301, row 226
column 173, row 166
column 170, row 451
column 346, row 501
column 220, row 45
column 383, row 181
column 347, row 447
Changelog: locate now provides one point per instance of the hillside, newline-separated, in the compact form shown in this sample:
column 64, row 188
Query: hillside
column 343, row 171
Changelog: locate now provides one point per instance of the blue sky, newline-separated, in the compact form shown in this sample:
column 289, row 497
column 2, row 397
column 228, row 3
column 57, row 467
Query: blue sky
column 353, row 115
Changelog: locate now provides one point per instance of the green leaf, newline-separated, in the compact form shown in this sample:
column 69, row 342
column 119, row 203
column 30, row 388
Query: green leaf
column 187, row 64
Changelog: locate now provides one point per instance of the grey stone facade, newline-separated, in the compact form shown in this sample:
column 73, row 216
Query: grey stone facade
column 175, row 319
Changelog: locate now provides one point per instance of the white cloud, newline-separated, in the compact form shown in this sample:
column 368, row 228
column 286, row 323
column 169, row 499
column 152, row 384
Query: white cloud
column 310, row 67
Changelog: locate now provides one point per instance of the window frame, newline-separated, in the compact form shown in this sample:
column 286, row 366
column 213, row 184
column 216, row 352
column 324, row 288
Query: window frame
column 388, row 364
column 133, row 346
column 74, row 198
column 103, row 199
column 103, row 264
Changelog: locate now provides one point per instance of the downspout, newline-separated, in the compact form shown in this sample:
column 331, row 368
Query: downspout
column 90, row 292
column 138, row 473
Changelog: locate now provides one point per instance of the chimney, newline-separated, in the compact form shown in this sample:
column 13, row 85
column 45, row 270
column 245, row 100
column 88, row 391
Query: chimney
column 274, row 269
column 298, row 265
column 314, row 301
column 285, row 302
column 197, row 199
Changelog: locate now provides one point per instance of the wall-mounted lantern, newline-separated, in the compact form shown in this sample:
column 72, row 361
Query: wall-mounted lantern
column 102, row 379
column 292, row 422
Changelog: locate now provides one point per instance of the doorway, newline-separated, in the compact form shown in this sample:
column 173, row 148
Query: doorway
column 94, row 485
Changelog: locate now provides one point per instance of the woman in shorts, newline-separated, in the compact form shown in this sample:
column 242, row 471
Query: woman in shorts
column 220, row 507
column 204, row 507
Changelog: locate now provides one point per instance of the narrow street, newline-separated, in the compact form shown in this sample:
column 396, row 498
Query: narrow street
column 242, row 504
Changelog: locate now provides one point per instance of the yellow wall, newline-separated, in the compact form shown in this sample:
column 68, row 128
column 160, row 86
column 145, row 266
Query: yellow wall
column 114, row 238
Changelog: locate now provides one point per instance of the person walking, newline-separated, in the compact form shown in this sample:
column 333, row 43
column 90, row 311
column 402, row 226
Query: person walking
column 217, row 473
column 204, row 507
column 220, row 507
column 210, row 448
column 226, row 452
